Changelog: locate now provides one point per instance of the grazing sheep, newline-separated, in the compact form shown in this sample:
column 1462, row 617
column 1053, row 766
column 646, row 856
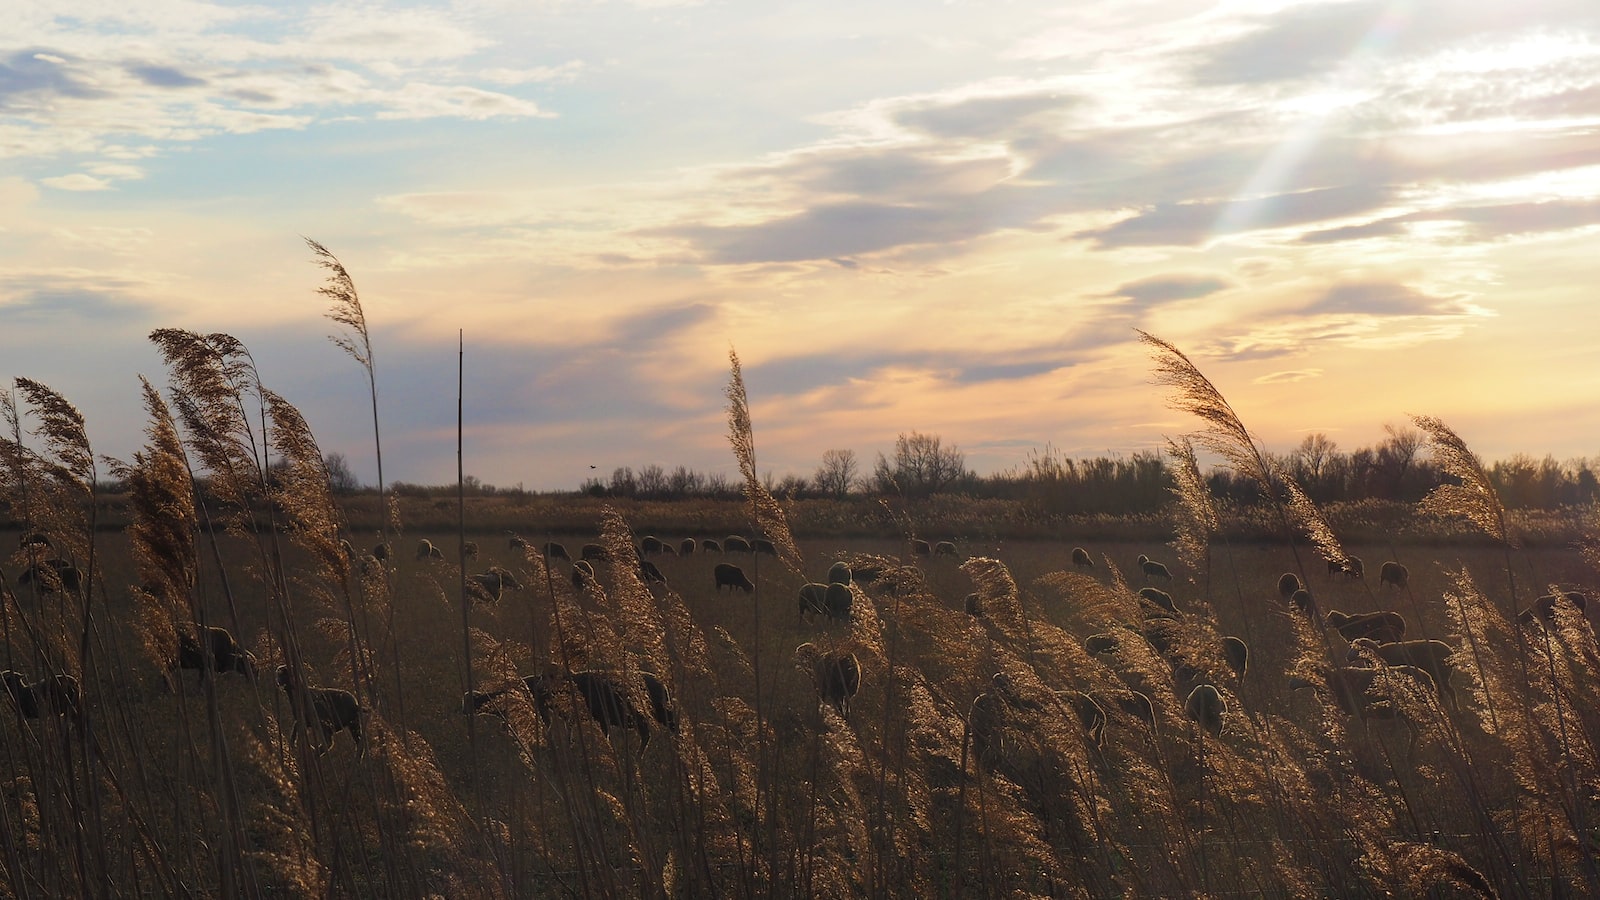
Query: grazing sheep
column 594, row 552
column 1159, row 598
column 836, row 675
column 945, row 548
column 1100, row 643
column 1369, row 693
column 710, row 545
column 1206, row 708
column 735, row 544
column 1394, row 573
column 53, row 575
column 213, row 650
column 1009, row 693
column 1288, row 583
column 348, row 550
column 731, row 576
column 662, row 709
column 686, row 548
column 380, row 551
column 1131, row 702
column 34, row 540
column 839, row 602
column 813, row 599
column 489, row 585
column 1153, row 569
column 335, row 710
column 866, row 573
column 650, row 545
column 1237, row 655
column 986, row 726
column 426, row 550
column 1081, row 558
column 608, row 703
column 1432, row 657
column 762, row 545
column 974, row 605
column 1091, row 715
column 1384, row 627
column 469, row 550
column 515, row 541
column 839, row 573
column 58, row 695
column 1545, row 607
column 1301, row 601
column 668, row 549
column 582, row 574
column 556, row 550
column 921, row 547
column 1354, row 568
column 650, row 574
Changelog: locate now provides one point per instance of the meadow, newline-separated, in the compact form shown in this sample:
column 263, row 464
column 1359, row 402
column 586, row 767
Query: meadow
column 1026, row 725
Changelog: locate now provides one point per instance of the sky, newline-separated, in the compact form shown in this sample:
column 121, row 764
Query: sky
column 939, row 217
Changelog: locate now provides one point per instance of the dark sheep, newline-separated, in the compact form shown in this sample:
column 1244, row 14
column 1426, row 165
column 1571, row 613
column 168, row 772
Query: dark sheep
column 1237, row 655
column 986, row 726
column 1354, row 568
column 662, row 709
column 469, row 550
column 1091, row 715
column 835, row 674
column 735, row 544
column 515, row 541
column 213, row 650
column 839, row 602
column 650, row 545
column 58, row 695
column 488, row 586
column 1081, row 558
column 1100, row 643
column 1288, row 583
column 426, row 550
column 668, row 549
column 839, row 573
column 1432, row 657
column 380, row 551
column 582, row 574
column 945, row 548
column 1394, row 573
column 649, row 573
column 34, row 540
column 920, row 547
column 53, row 575
column 1301, row 601
column 1131, row 702
column 1206, row 708
column 762, row 545
column 1159, row 598
column 608, row 703
column 731, row 576
column 1384, row 627
column 866, row 573
column 335, row 710
column 686, row 548
column 556, row 550
column 1153, row 569
column 1545, row 607
column 710, row 545
column 974, row 605
column 1370, row 693
column 813, row 599
column 594, row 552
column 1008, row 692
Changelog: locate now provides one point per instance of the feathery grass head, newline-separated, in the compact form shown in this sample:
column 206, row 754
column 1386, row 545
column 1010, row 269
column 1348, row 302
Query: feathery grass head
column 61, row 426
column 302, row 486
column 1474, row 498
column 340, row 289
column 1193, row 392
column 210, row 377
column 769, row 517
column 1197, row 519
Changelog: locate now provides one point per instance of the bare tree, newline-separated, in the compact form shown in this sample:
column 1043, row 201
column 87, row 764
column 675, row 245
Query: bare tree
column 340, row 479
column 837, row 473
column 922, row 465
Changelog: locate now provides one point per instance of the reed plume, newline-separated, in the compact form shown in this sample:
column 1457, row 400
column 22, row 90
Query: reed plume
column 767, row 513
column 1197, row 518
column 1474, row 499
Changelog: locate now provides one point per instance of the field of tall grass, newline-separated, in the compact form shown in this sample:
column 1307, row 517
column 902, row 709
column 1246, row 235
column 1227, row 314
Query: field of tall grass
column 990, row 751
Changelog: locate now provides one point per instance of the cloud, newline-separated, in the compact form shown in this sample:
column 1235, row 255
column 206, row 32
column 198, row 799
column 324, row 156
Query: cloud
column 37, row 76
column 45, row 300
column 1380, row 298
column 165, row 76
column 1288, row 377
column 1486, row 222
column 77, row 181
column 1164, row 288
column 1191, row 224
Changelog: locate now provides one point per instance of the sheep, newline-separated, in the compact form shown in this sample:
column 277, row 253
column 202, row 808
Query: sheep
column 813, row 599
column 1081, row 558
column 34, row 540
column 335, row 710
column 54, row 575
column 1545, row 607
column 608, row 703
column 662, row 709
column 838, row 602
column 556, row 550
column 426, row 550
column 213, row 650
column 1369, row 693
column 348, row 550
column 1206, row 708
column 974, row 605
column 582, row 574
column 1394, row 573
column 762, row 545
column 1091, row 715
column 469, row 550
column 58, row 695
column 1301, row 601
column 1153, row 569
column 650, row 574
column 710, row 545
column 986, row 727
column 1288, row 583
column 835, row 674
column 839, row 573
column 945, row 548
column 686, row 548
column 1131, row 702
column 516, row 541
column 731, row 576
column 668, row 549
column 1432, row 657
column 1237, row 655
column 921, row 547
column 650, row 545
column 1008, row 692
column 380, row 551
column 1354, row 568
column 1383, row 627
column 735, row 544
column 1097, row 644
column 1159, row 598
column 489, row 585
column 594, row 552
